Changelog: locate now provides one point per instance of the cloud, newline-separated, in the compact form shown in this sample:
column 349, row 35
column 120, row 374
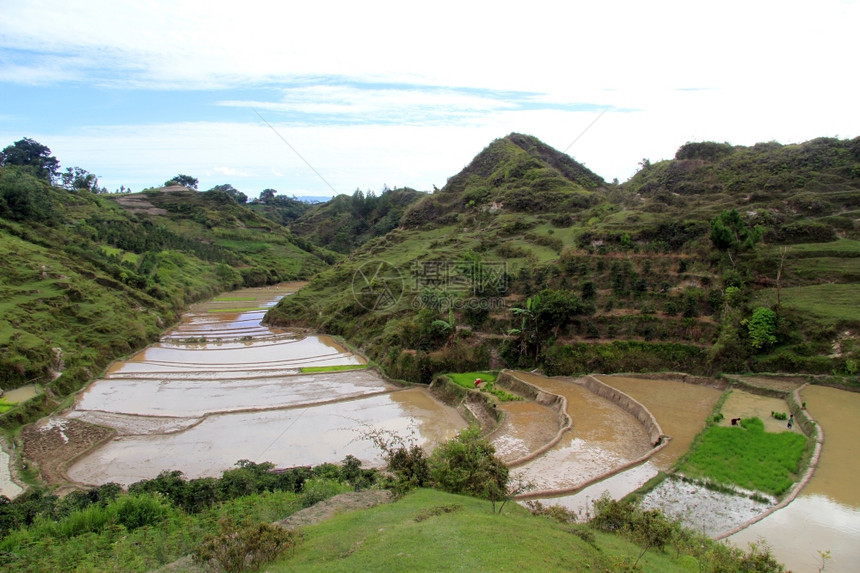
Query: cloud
column 380, row 93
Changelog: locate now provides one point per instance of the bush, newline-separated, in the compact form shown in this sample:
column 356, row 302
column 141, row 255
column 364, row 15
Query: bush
column 319, row 489
column 244, row 547
column 468, row 465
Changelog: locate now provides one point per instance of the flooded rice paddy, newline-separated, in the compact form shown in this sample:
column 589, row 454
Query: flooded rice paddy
column 221, row 388
column 680, row 409
column 22, row 394
column 826, row 514
column 604, row 436
column 526, row 426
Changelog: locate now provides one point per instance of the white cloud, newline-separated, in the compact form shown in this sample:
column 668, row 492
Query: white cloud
column 389, row 93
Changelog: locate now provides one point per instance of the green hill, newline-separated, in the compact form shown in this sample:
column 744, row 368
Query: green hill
column 526, row 258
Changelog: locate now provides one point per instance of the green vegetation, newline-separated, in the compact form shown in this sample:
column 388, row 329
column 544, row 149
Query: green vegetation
column 5, row 405
column 338, row 368
column 429, row 530
column 467, row 379
column 160, row 520
column 226, row 523
column 697, row 264
column 723, row 259
column 748, row 457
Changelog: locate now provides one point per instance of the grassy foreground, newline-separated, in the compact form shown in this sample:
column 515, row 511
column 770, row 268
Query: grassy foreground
column 429, row 530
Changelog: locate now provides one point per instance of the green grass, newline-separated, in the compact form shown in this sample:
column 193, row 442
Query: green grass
column 433, row 531
column 5, row 405
column 747, row 457
column 341, row 367
column 467, row 379
column 831, row 303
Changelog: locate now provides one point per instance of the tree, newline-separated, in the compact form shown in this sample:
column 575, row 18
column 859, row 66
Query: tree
column 731, row 234
column 32, row 155
column 266, row 195
column 468, row 465
column 240, row 197
column 75, row 178
column 761, row 327
column 23, row 196
column 553, row 309
column 186, row 180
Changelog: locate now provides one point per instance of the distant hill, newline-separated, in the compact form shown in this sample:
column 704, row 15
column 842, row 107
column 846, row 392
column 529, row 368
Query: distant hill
column 348, row 221
column 526, row 258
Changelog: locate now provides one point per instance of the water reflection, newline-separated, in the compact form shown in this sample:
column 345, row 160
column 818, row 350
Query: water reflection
column 221, row 387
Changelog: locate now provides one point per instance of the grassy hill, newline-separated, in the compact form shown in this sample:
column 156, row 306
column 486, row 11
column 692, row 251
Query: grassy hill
column 527, row 258
column 86, row 278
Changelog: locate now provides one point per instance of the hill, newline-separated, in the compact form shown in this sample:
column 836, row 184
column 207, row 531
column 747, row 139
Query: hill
column 87, row 277
column 348, row 221
column 526, row 258
column 517, row 173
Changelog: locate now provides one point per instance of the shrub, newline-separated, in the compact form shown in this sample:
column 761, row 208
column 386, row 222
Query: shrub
column 320, row 489
column 762, row 328
column 244, row 547
column 468, row 465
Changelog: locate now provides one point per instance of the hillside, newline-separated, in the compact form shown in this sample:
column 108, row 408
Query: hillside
column 526, row 258
column 86, row 278
column 348, row 221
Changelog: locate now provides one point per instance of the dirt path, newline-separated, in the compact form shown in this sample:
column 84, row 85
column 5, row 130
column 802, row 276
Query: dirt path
column 342, row 503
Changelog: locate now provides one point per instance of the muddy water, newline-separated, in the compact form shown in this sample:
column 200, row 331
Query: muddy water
column 603, row 437
column 184, row 397
column 525, row 428
column 826, row 515
column 8, row 487
column 22, row 394
column 221, row 387
column 681, row 410
column 289, row 437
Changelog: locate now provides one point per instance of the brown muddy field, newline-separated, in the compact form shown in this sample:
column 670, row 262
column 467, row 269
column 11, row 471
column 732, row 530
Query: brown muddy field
column 220, row 388
column 526, row 427
column 53, row 443
column 681, row 410
column 603, row 437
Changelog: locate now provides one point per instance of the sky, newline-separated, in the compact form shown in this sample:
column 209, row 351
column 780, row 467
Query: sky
column 328, row 97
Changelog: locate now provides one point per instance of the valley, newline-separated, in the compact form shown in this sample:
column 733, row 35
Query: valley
column 177, row 330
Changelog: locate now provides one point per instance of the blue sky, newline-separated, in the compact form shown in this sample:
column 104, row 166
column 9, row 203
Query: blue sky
column 399, row 94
